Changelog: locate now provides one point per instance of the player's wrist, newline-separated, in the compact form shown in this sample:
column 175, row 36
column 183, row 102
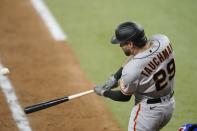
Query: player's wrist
column 99, row 90
column 111, row 83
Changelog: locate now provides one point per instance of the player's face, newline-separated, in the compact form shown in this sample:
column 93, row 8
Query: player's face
column 127, row 48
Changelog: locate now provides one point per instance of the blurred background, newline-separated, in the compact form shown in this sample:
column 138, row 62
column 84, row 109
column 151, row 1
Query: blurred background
column 90, row 25
column 42, row 68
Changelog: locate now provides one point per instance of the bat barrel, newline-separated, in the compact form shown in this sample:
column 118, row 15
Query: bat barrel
column 45, row 105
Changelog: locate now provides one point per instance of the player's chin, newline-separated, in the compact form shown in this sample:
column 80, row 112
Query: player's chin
column 127, row 53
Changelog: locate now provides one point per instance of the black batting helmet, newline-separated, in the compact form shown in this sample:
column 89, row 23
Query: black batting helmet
column 129, row 31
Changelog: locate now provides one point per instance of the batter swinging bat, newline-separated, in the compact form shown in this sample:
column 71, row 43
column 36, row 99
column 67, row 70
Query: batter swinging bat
column 48, row 104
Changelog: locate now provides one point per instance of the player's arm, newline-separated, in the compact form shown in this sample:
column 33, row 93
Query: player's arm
column 116, row 95
column 112, row 81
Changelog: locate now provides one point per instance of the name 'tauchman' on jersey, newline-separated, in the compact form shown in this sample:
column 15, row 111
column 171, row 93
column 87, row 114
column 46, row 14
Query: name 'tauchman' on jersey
column 150, row 74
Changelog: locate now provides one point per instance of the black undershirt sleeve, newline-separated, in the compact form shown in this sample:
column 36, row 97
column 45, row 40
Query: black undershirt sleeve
column 117, row 95
column 118, row 73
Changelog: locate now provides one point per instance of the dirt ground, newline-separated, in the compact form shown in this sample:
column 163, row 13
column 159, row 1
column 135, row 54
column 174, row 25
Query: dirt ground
column 43, row 69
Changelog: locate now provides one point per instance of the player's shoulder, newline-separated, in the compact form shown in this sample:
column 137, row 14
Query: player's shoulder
column 132, row 67
column 161, row 38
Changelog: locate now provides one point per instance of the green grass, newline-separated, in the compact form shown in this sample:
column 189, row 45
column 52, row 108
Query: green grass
column 90, row 24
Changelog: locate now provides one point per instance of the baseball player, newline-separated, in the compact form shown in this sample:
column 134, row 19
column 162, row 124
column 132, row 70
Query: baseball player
column 149, row 76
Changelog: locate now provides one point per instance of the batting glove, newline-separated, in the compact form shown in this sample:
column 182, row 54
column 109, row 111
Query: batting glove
column 99, row 90
column 111, row 83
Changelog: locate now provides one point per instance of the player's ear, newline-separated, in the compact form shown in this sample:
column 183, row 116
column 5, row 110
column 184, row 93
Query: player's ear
column 131, row 44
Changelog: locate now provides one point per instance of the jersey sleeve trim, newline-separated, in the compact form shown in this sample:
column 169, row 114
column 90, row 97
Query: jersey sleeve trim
column 122, row 87
column 127, row 94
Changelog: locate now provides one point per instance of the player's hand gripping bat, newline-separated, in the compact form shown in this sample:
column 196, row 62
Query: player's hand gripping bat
column 44, row 105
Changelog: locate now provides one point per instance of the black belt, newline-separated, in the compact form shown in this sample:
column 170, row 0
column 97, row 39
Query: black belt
column 157, row 100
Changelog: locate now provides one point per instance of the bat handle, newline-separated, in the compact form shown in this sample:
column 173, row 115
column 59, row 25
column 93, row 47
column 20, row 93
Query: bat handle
column 80, row 94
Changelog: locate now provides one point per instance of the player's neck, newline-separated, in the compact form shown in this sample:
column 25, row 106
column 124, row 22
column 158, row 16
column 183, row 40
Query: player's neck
column 139, row 50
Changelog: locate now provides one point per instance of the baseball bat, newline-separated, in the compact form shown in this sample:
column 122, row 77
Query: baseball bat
column 44, row 105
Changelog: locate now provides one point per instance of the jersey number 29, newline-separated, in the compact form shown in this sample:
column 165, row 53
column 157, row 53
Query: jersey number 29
column 162, row 77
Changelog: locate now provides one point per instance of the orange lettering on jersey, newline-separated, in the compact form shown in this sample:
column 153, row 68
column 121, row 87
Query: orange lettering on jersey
column 143, row 73
column 152, row 65
column 155, row 61
column 149, row 71
column 169, row 49
column 160, row 57
column 165, row 53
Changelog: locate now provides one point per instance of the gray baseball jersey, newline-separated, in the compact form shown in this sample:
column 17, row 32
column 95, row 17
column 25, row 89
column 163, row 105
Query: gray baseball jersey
column 149, row 75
